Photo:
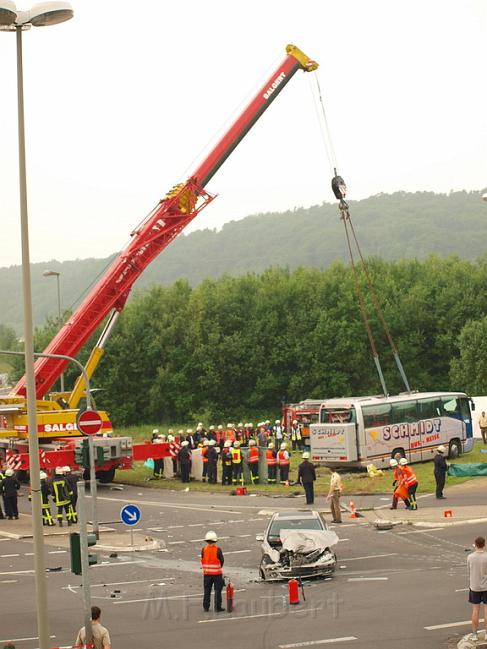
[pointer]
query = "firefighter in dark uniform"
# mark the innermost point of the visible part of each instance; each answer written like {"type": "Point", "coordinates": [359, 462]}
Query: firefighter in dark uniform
{"type": "Point", "coordinates": [440, 470]}
{"type": "Point", "coordinates": [306, 477]}
{"type": "Point", "coordinates": [8, 488]}
{"type": "Point", "coordinates": [159, 462]}
{"type": "Point", "coordinates": [227, 463]}
{"type": "Point", "coordinates": [72, 482]}
{"type": "Point", "coordinates": [60, 493]}
{"type": "Point", "coordinates": [184, 457]}
{"type": "Point", "coordinates": [212, 565]}
{"type": "Point", "coordinates": [47, 518]}
{"type": "Point", "coordinates": [237, 473]}
{"type": "Point", "coordinates": [212, 457]}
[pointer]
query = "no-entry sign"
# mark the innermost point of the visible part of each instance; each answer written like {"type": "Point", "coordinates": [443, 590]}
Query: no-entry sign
{"type": "Point", "coordinates": [89, 422]}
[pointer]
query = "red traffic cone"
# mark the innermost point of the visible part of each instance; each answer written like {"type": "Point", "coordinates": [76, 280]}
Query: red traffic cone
{"type": "Point", "coordinates": [353, 510]}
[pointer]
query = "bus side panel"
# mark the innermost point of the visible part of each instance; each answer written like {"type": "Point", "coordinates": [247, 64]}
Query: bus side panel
{"type": "Point", "coordinates": [333, 442]}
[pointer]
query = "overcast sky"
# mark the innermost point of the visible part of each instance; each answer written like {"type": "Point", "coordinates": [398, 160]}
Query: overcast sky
{"type": "Point", "coordinates": [121, 100]}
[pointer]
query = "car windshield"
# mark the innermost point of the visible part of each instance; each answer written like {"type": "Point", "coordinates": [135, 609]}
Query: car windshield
{"type": "Point", "coordinates": [293, 524]}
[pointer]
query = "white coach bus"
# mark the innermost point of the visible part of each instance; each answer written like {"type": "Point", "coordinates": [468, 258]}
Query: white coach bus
{"type": "Point", "coordinates": [358, 431]}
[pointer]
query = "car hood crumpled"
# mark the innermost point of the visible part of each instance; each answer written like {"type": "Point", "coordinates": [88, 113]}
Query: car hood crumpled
{"type": "Point", "coordinates": [305, 541]}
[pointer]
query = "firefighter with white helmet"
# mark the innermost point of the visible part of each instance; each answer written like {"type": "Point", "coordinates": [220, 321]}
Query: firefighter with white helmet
{"type": "Point", "coordinates": [396, 475]}
{"type": "Point", "coordinates": [306, 477]}
{"type": "Point", "coordinates": [204, 457]}
{"type": "Point", "coordinates": [212, 561]}
{"type": "Point", "coordinates": [271, 459]}
{"type": "Point", "coordinates": [72, 482]}
{"type": "Point", "coordinates": [237, 458]}
{"type": "Point", "coordinates": [47, 518]}
{"type": "Point", "coordinates": [155, 433]}
{"type": "Point", "coordinates": [62, 500]}
{"type": "Point", "coordinates": [9, 488]}
{"type": "Point", "coordinates": [184, 457]}
{"type": "Point", "coordinates": [409, 480]}
{"type": "Point", "coordinates": [440, 471]}
{"type": "Point", "coordinates": [212, 460]}
{"type": "Point", "coordinates": [159, 461]}
{"type": "Point", "coordinates": [278, 431]}
{"type": "Point", "coordinates": [227, 463]}
{"type": "Point", "coordinates": [296, 435]}
{"type": "Point", "coordinates": [253, 462]}
{"type": "Point", "coordinates": [283, 461]}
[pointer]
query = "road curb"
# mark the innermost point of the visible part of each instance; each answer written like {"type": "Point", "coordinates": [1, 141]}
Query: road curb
{"type": "Point", "coordinates": [468, 521]}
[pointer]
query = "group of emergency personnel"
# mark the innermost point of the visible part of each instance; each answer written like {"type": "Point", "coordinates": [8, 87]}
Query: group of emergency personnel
{"type": "Point", "coordinates": [61, 488]}
{"type": "Point", "coordinates": [225, 445]}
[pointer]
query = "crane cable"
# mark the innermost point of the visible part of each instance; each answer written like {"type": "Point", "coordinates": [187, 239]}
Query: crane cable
{"type": "Point", "coordinates": [339, 189]}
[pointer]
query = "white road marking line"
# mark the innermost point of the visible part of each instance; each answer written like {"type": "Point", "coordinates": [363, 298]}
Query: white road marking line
{"type": "Point", "coordinates": [342, 540]}
{"type": "Point", "coordinates": [371, 556]}
{"type": "Point", "coordinates": [430, 529]}
{"type": "Point", "coordinates": [9, 581]}
{"type": "Point", "coordinates": [173, 527]}
{"type": "Point", "coordinates": [6, 556]}
{"type": "Point", "coordinates": [57, 552]}
{"type": "Point", "coordinates": [157, 529]}
{"type": "Point", "coordinates": [18, 572]}
{"type": "Point", "coordinates": [23, 639]}
{"type": "Point", "coordinates": [314, 642]}
{"type": "Point", "coordinates": [155, 599]}
{"type": "Point", "coordinates": [196, 524]}
{"type": "Point", "coordinates": [449, 625]}
{"type": "Point", "coordinates": [237, 551]}
{"type": "Point", "coordinates": [243, 536]}
{"type": "Point", "coordinates": [461, 590]}
{"type": "Point", "coordinates": [172, 505]}
{"type": "Point", "coordinates": [120, 583]}
{"type": "Point", "coordinates": [106, 564]}
{"type": "Point", "coordinates": [29, 554]}
{"type": "Point", "coordinates": [246, 617]}
{"type": "Point", "coordinates": [346, 525]}
{"type": "Point", "coordinates": [175, 542]}
{"type": "Point", "coordinates": [368, 579]}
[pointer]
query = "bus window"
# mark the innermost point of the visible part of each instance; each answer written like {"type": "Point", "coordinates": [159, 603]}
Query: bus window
{"type": "Point", "coordinates": [450, 407]}
{"type": "Point", "coordinates": [404, 412]}
{"type": "Point", "coordinates": [465, 408]}
{"type": "Point", "coordinates": [337, 415]}
{"type": "Point", "coordinates": [377, 415]}
{"type": "Point", "coordinates": [429, 408]}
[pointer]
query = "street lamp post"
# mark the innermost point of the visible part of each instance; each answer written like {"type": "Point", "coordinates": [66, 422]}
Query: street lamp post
{"type": "Point", "coordinates": [56, 274]}
{"type": "Point", "coordinates": [13, 20]}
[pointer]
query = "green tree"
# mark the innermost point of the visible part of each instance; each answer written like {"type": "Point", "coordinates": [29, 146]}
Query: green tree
{"type": "Point", "coordinates": [469, 371]}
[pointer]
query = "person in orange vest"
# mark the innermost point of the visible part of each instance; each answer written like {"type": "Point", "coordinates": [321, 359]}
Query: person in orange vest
{"type": "Point", "coordinates": [410, 481]}
{"type": "Point", "coordinates": [212, 565]}
{"type": "Point", "coordinates": [230, 432]}
{"type": "Point", "coordinates": [253, 462]}
{"type": "Point", "coordinates": [204, 458]}
{"type": "Point", "coordinates": [237, 474]}
{"type": "Point", "coordinates": [399, 490]}
{"type": "Point", "coordinates": [271, 457]}
{"type": "Point", "coordinates": [227, 463]}
{"type": "Point", "coordinates": [283, 461]}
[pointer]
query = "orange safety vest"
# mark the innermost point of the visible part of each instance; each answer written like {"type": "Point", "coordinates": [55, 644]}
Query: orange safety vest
{"type": "Point", "coordinates": [408, 477]}
{"type": "Point", "coordinates": [253, 455]}
{"type": "Point", "coordinates": [236, 456]}
{"type": "Point", "coordinates": [283, 460]}
{"type": "Point", "coordinates": [271, 457]}
{"type": "Point", "coordinates": [230, 434]}
{"type": "Point", "coordinates": [210, 563]}
{"type": "Point", "coordinates": [204, 451]}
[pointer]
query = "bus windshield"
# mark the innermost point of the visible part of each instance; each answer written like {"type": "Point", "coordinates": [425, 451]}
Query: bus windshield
{"type": "Point", "coordinates": [337, 415]}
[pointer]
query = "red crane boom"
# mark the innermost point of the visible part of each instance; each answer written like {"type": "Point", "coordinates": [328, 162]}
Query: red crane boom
{"type": "Point", "coordinates": [159, 228]}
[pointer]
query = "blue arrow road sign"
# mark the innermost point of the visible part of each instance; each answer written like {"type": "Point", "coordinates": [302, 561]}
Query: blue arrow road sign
{"type": "Point", "coordinates": [130, 515]}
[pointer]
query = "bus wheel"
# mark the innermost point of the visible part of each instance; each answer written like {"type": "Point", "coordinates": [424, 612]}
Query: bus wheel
{"type": "Point", "coordinates": [455, 449]}
{"type": "Point", "coordinates": [397, 451]}
{"type": "Point", "coordinates": [106, 476]}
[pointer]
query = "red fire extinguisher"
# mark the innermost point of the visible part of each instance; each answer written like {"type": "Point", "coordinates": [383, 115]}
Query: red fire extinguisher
{"type": "Point", "coordinates": [230, 592]}
{"type": "Point", "coordinates": [293, 591]}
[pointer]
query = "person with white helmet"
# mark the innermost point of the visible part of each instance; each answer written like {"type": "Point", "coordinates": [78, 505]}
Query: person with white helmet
{"type": "Point", "coordinates": [60, 494]}
{"type": "Point", "coordinates": [396, 475]}
{"type": "Point", "coordinates": [283, 461]}
{"type": "Point", "coordinates": [9, 488]}
{"type": "Point", "coordinates": [158, 471]}
{"type": "Point", "coordinates": [212, 561]}
{"type": "Point", "coordinates": [296, 435]}
{"type": "Point", "coordinates": [253, 462]}
{"type": "Point", "coordinates": [47, 518]}
{"type": "Point", "coordinates": [306, 477]}
{"type": "Point", "coordinates": [440, 471]}
{"type": "Point", "coordinates": [278, 431]}
{"type": "Point", "coordinates": [212, 433]}
{"type": "Point", "coordinates": [271, 459]}
{"type": "Point", "coordinates": [262, 435]}
{"type": "Point", "coordinates": [203, 445]}
{"type": "Point", "coordinates": [409, 480]}
{"type": "Point", "coordinates": [237, 458]}
{"type": "Point", "coordinates": [227, 463]}
{"type": "Point", "coordinates": [184, 457]}
{"type": "Point", "coordinates": [190, 438]}
{"type": "Point", "coordinates": [154, 435]}
{"type": "Point", "coordinates": [397, 464]}
{"type": "Point", "coordinates": [72, 482]}
{"type": "Point", "coordinates": [212, 460]}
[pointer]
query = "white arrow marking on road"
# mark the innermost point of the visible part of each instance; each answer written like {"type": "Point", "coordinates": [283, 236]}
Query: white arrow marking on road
{"type": "Point", "coordinates": [313, 642]}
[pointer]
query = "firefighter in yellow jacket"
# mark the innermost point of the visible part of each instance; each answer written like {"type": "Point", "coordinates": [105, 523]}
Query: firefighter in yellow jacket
{"type": "Point", "coordinates": [237, 474]}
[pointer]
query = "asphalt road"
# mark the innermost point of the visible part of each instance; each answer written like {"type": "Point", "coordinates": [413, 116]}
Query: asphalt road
{"type": "Point", "coordinates": [402, 588]}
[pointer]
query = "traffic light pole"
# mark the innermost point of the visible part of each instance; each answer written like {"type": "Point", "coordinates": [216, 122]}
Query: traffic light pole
{"type": "Point", "coordinates": [85, 565]}
{"type": "Point", "coordinates": [93, 490]}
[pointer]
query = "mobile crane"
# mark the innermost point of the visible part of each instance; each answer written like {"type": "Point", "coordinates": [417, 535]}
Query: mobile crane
{"type": "Point", "coordinates": [61, 442]}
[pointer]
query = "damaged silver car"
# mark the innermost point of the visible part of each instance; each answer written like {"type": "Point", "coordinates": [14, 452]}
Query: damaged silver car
{"type": "Point", "coordinates": [297, 544]}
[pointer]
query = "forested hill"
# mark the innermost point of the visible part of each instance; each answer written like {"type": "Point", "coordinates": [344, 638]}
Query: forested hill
{"type": "Point", "coordinates": [401, 225]}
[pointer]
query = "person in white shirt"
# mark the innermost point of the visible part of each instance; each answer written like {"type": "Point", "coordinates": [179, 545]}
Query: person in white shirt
{"type": "Point", "coordinates": [477, 572]}
{"type": "Point", "coordinates": [101, 637]}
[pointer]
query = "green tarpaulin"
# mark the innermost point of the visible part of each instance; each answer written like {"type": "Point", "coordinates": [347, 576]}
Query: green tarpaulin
{"type": "Point", "coordinates": [462, 470]}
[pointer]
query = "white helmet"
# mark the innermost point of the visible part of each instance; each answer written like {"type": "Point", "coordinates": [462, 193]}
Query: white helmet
{"type": "Point", "coordinates": [236, 443]}
{"type": "Point", "coordinates": [198, 427]}
{"type": "Point", "coordinates": [441, 449]}
{"type": "Point", "coordinates": [295, 421]}
{"type": "Point", "coordinates": [211, 442]}
{"type": "Point", "coordinates": [9, 473]}
{"type": "Point", "coordinates": [205, 442]}
{"type": "Point", "coordinates": [252, 442]}
{"type": "Point", "coordinates": [180, 431]}
{"type": "Point", "coordinates": [43, 475]}
{"type": "Point", "coordinates": [59, 470]}
{"type": "Point", "coordinates": [240, 424]}
{"type": "Point", "coordinates": [161, 436]}
{"type": "Point", "coordinates": [66, 469]}
{"type": "Point", "coordinates": [185, 443]}
{"type": "Point", "coordinates": [271, 445]}
{"type": "Point", "coordinates": [393, 463]}
{"type": "Point", "coordinates": [211, 428]}
{"type": "Point", "coordinates": [250, 425]}
{"type": "Point", "coordinates": [189, 431]}
{"type": "Point", "coordinates": [170, 431]}
{"type": "Point", "coordinates": [230, 425]}
{"type": "Point", "coordinates": [278, 421]}
{"type": "Point", "coordinates": [403, 461]}
{"type": "Point", "coordinates": [155, 431]}
{"type": "Point", "coordinates": [267, 421]}
{"type": "Point", "coordinates": [283, 446]}
{"type": "Point", "coordinates": [305, 455]}
{"type": "Point", "coordinates": [220, 427]}
{"type": "Point", "coordinates": [158, 440]}
{"type": "Point", "coordinates": [211, 536]}
{"type": "Point", "coordinates": [228, 443]}
{"type": "Point", "coordinates": [170, 438]}
{"type": "Point", "coordinates": [200, 424]}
